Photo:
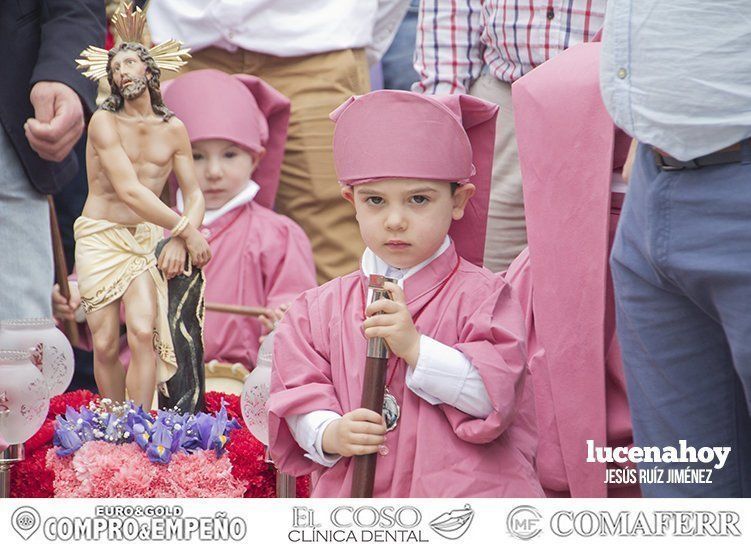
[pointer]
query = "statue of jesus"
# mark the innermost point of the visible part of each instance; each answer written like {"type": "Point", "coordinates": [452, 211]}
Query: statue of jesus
{"type": "Point", "coordinates": [134, 143]}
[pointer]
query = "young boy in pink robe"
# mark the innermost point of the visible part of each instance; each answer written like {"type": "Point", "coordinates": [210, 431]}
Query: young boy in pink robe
{"type": "Point", "coordinates": [571, 155]}
{"type": "Point", "coordinates": [410, 164]}
{"type": "Point", "coordinates": [237, 127]}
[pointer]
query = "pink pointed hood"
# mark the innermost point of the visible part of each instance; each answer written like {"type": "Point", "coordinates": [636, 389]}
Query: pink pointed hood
{"type": "Point", "coordinates": [239, 108]}
{"type": "Point", "coordinates": [566, 145]}
{"type": "Point", "coordinates": [399, 134]}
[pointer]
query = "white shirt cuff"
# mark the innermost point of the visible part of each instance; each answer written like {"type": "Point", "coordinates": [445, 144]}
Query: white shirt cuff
{"type": "Point", "coordinates": [444, 375]}
{"type": "Point", "coordinates": [307, 430]}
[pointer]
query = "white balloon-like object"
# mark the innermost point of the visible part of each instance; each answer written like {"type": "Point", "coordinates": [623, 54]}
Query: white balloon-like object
{"type": "Point", "coordinates": [24, 397]}
{"type": "Point", "coordinates": [50, 349]}
{"type": "Point", "coordinates": [255, 397]}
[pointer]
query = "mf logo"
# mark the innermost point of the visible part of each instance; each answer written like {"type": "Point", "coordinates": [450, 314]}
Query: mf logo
{"type": "Point", "coordinates": [524, 522]}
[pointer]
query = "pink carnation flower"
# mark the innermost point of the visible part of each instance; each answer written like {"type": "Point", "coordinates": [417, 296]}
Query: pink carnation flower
{"type": "Point", "coordinates": [104, 470]}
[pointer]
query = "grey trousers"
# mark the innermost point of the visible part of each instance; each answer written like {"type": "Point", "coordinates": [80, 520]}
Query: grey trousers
{"type": "Point", "coordinates": [26, 265]}
{"type": "Point", "coordinates": [506, 234]}
{"type": "Point", "coordinates": [681, 267]}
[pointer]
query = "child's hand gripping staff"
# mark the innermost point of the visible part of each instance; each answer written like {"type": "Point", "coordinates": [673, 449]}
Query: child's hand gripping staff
{"type": "Point", "coordinates": [374, 385]}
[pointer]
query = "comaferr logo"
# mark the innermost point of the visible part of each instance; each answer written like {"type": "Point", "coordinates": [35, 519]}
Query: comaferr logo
{"type": "Point", "coordinates": [661, 523]}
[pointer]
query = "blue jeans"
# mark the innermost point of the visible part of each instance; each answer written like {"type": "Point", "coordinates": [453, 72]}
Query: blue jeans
{"type": "Point", "coordinates": [26, 266]}
{"type": "Point", "coordinates": [398, 65]}
{"type": "Point", "coordinates": [681, 267]}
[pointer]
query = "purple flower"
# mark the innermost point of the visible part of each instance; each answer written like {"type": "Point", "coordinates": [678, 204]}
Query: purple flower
{"type": "Point", "coordinates": [160, 437]}
{"type": "Point", "coordinates": [71, 431]}
{"type": "Point", "coordinates": [171, 420]}
{"type": "Point", "coordinates": [141, 435]}
{"type": "Point", "coordinates": [137, 415]}
{"type": "Point", "coordinates": [87, 415]}
{"type": "Point", "coordinates": [71, 414]}
{"type": "Point", "coordinates": [198, 432]}
{"type": "Point", "coordinates": [220, 431]}
{"type": "Point", "coordinates": [110, 427]}
{"type": "Point", "coordinates": [65, 438]}
{"type": "Point", "coordinates": [160, 450]}
{"type": "Point", "coordinates": [139, 424]}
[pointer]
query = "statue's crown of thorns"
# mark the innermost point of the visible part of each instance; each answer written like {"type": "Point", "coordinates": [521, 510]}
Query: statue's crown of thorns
{"type": "Point", "coordinates": [128, 25]}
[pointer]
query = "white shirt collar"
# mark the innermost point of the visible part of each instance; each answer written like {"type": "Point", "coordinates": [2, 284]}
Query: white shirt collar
{"type": "Point", "coordinates": [243, 197]}
{"type": "Point", "coordinates": [373, 264]}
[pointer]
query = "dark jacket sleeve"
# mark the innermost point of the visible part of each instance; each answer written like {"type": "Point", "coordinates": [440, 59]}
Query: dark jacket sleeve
{"type": "Point", "coordinates": [39, 41]}
{"type": "Point", "coordinates": [67, 28]}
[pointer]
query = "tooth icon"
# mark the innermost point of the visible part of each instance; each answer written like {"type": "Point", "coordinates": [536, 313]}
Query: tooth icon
{"type": "Point", "coordinates": [25, 520]}
{"type": "Point", "coordinates": [452, 525]}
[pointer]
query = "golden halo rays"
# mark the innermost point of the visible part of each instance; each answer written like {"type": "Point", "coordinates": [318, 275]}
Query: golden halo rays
{"type": "Point", "coordinates": [129, 25]}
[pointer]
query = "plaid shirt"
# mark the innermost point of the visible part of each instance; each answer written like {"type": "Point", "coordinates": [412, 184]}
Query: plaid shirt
{"type": "Point", "coordinates": [458, 39]}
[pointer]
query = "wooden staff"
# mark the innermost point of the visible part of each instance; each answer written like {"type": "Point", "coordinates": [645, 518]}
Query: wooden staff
{"type": "Point", "coordinates": [286, 486]}
{"type": "Point", "coordinates": [70, 327]}
{"type": "Point", "coordinates": [373, 388]}
{"type": "Point", "coordinates": [251, 311]}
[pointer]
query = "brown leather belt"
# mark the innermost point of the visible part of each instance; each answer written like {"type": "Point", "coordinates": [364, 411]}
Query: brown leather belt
{"type": "Point", "coordinates": [731, 154]}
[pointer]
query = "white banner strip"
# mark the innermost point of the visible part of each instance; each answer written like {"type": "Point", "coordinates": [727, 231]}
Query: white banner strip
{"type": "Point", "coordinates": [284, 521]}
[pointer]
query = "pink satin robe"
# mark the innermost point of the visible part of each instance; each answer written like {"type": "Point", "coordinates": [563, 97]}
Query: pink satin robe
{"type": "Point", "coordinates": [260, 258]}
{"type": "Point", "coordinates": [571, 476]}
{"type": "Point", "coordinates": [435, 451]}
{"type": "Point", "coordinates": [568, 149]}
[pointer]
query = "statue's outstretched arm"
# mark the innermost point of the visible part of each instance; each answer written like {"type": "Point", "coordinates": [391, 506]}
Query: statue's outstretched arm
{"type": "Point", "coordinates": [182, 165]}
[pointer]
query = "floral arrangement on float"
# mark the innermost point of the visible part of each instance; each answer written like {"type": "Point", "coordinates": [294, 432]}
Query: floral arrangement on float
{"type": "Point", "coordinates": [77, 444]}
{"type": "Point", "coordinates": [99, 448]}
{"type": "Point", "coordinates": [90, 448]}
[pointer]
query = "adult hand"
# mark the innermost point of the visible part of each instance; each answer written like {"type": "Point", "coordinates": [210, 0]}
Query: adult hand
{"type": "Point", "coordinates": [63, 309]}
{"type": "Point", "coordinates": [358, 432]}
{"type": "Point", "coordinates": [270, 319]}
{"type": "Point", "coordinates": [629, 164]}
{"type": "Point", "coordinates": [58, 120]}
{"type": "Point", "coordinates": [391, 320]}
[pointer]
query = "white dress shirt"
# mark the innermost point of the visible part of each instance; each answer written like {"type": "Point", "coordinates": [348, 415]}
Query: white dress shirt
{"type": "Point", "coordinates": [618, 184]}
{"type": "Point", "coordinates": [676, 74]}
{"type": "Point", "coordinates": [442, 375]}
{"type": "Point", "coordinates": [284, 28]}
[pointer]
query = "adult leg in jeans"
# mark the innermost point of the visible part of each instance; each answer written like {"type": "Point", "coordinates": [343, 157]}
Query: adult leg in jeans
{"type": "Point", "coordinates": [398, 68]}
{"type": "Point", "coordinates": [26, 266]}
{"type": "Point", "coordinates": [681, 380]}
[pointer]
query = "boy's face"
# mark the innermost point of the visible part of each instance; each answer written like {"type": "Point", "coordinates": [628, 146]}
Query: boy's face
{"type": "Point", "coordinates": [223, 170]}
{"type": "Point", "coordinates": [404, 221]}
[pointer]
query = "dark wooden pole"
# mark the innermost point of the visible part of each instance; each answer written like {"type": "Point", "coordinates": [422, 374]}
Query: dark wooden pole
{"type": "Point", "coordinates": [286, 486]}
{"type": "Point", "coordinates": [374, 385]}
{"type": "Point", "coordinates": [70, 327]}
